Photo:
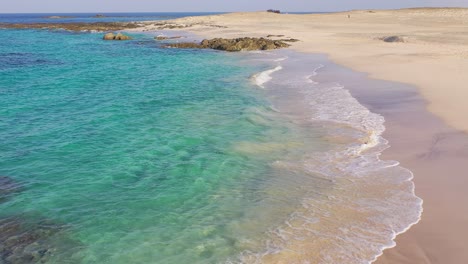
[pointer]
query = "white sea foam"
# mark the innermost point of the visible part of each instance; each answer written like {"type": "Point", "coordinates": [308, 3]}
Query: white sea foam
{"type": "Point", "coordinates": [262, 78]}
{"type": "Point", "coordinates": [314, 73]}
{"type": "Point", "coordinates": [281, 59]}
{"type": "Point", "coordinates": [372, 200]}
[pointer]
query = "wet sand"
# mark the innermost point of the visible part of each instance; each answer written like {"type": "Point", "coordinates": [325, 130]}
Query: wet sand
{"type": "Point", "coordinates": [437, 154]}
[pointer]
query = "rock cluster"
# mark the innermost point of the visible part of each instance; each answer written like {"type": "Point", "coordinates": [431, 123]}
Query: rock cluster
{"type": "Point", "coordinates": [23, 241]}
{"type": "Point", "coordinates": [118, 36]}
{"type": "Point", "coordinates": [238, 44]}
{"type": "Point", "coordinates": [28, 240]}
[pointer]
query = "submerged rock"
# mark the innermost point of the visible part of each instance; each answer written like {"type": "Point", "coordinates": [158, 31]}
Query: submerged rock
{"type": "Point", "coordinates": [20, 243]}
{"type": "Point", "coordinates": [118, 36]}
{"type": "Point", "coordinates": [7, 187]}
{"type": "Point", "coordinates": [238, 44]}
{"type": "Point", "coordinates": [24, 242]}
{"type": "Point", "coordinates": [165, 37]}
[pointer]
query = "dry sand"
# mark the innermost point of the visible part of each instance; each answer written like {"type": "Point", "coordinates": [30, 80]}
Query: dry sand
{"type": "Point", "coordinates": [434, 58]}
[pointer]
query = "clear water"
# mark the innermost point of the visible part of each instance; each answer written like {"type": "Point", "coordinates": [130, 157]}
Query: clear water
{"type": "Point", "coordinates": [91, 17]}
{"type": "Point", "coordinates": [140, 151]}
{"type": "Point", "coordinates": [142, 154]}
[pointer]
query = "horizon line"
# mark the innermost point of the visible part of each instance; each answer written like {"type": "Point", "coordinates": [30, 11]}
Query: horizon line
{"type": "Point", "coordinates": [283, 12]}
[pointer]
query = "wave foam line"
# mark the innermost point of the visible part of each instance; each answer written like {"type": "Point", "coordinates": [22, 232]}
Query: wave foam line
{"type": "Point", "coordinates": [356, 170]}
{"type": "Point", "coordinates": [263, 77]}
{"type": "Point", "coordinates": [314, 73]}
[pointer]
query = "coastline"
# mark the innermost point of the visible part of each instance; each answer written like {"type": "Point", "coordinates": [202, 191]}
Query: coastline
{"type": "Point", "coordinates": [410, 63]}
{"type": "Point", "coordinates": [394, 188]}
{"type": "Point", "coordinates": [435, 45]}
{"type": "Point", "coordinates": [434, 151]}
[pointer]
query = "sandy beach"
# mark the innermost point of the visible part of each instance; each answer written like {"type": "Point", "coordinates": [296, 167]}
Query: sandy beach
{"type": "Point", "coordinates": [433, 57]}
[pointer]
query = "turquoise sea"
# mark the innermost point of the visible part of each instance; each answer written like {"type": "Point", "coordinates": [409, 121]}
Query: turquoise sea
{"type": "Point", "coordinates": [127, 152]}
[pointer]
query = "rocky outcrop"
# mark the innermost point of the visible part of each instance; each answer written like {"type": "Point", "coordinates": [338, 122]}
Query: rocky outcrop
{"type": "Point", "coordinates": [275, 36]}
{"type": "Point", "coordinates": [33, 241]}
{"type": "Point", "coordinates": [238, 44]}
{"type": "Point", "coordinates": [118, 36]}
{"type": "Point", "coordinates": [284, 39]}
{"type": "Point", "coordinates": [29, 240]}
{"type": "Point", "coordinates": [289, 40]}
{"type": "Point", "coordinates": [109, 36]}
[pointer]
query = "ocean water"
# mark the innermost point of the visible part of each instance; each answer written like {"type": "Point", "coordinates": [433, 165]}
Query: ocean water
{"type": "Point", "coordinates": [91, 17]}
{"type": "Point", "coordinates": [126, 152]}
{"type": "Point", "coordinates": [105, 17]}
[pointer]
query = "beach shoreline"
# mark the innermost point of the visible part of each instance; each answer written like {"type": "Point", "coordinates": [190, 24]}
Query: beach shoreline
{"type": "Point", "coordinates": [404, 65]}
{"type": "Point", "coordinates": [434, 43]}
{"type": "Point", "coordinates": [429, 59]}
{"type": "Point", "coordinates": [331, 82]}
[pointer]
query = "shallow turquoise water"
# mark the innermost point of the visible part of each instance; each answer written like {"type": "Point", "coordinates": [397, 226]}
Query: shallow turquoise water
{"type": "Point", "coordinates": [125, 152]}
{"type": "Point", "coordinates": [146, 155]}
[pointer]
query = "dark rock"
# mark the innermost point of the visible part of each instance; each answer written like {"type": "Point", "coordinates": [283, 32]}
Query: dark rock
{"type": "Point", "coordinates": [99, 16]}
{"type": "Point", "coordinates": [186, 45]}
{"type": "Point", "coordinates": [165, 38]}
{"type": "Point", "coordinates": [238, 44]}
{"type": "Point", "coordinates": [393, 39]}
{"type": "Point", "coordinates": [290, 40]}
{"type": "Point", "coordinates": [276, 36]}
{"type": "Point", "coordinates": [8, 187]}
{"type": "Point", "coordinates": [24, 242]}
{"type": "Point", "coordinates": [274, 11]}
{"type": "Point", "coordinates": [119, 36]}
